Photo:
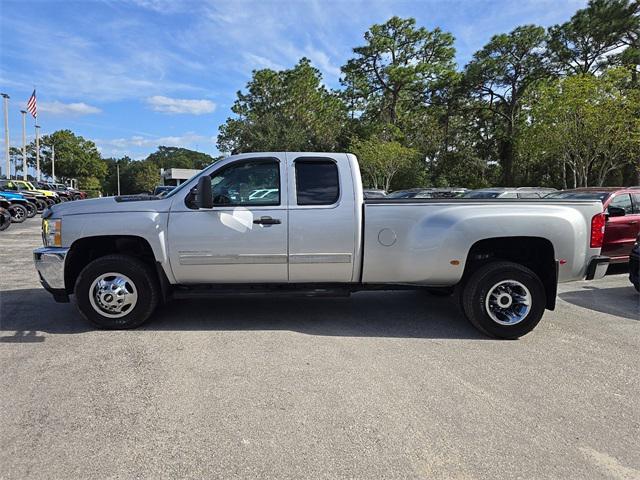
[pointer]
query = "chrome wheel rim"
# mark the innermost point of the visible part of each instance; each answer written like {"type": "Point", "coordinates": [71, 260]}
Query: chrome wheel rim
{"type": "Point", "coordinates": [508, 302]}
{"type": "Point", "coordinates": [113, 295]}
{"type": "Point", "coordinates": [19, 214]}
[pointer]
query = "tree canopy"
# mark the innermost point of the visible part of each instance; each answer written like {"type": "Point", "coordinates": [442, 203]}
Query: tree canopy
{"type": "Point", "coordinates": [534, 106]}
{"type": "Point", "coordinates": [287, 110]}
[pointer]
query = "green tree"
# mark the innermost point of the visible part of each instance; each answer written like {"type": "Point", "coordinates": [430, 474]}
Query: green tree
{"type": "Point", "coordinates": [400, 67]}
{"type": "Point", "coordinates": [75, 157]}
{"type": "Point", "coordinates": [382, 161]}
{"type": "Point", "coordinates": [587, 42]}
{"type": "Point", "coordinates": [586, 127]}
{"type": "Point", "coordinates": [144, 176]}
{"type": "Point", "coordinates": [286, 110]}
{"type": "Point", "coordinates": [176, 157]}
{"type": "Point", "coordinates": [498, 76]}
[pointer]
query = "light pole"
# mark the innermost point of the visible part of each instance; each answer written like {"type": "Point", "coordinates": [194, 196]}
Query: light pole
{"type": "Point", "coordinates": [6, 134]}
{"type": "Point", "coordinates": [37, 153]}
{"type": "Point", "coordinates": [53, 163]}
{"type": "Point", "coordinates": [24, 146]}
{"type": "Point", "coordinates": [118, 175]}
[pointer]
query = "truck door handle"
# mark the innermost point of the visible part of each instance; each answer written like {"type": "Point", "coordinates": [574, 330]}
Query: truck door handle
{"type": "Point", "coordinates": [267, 221]}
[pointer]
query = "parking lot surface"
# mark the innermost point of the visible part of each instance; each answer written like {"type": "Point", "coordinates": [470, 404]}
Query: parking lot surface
{"type": "Point", "coordinates": [379, 385]}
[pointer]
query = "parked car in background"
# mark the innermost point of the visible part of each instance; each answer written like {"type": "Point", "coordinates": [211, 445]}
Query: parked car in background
{"type": "Point", "coordinates": [17, 211]}
{"type": "Point", "coordinates": [37, 198]}
{"type": "Point", "coordinates": [411, 193]}
{"type": "Point", "coordinates": [21, 185]}
{"type": "Point", "coordinates": [42, 200]}
{"type": "Point", "coordinates": [5, 214]}
{"type": "Point", "coordinates": [162, 190]}
{"type": "Point", "coordinates": [634, 264]}
{"type": "Point", "coordinates": [505, 192]}
{"type": "Point", "coordinates": [64, 194]}
{"type": "Point", "coordinates": [29, 204]}
{"type": "Point", "coordinates": [373, 193]}
{"type": "Point", "coordinates": [622, 209]}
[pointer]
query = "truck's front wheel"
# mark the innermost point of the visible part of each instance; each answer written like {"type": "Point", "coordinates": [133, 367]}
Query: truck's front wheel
{"type": "Point", "coordinates": [504, 299]}
{"type": "Point", "coordinates": [117, 292]}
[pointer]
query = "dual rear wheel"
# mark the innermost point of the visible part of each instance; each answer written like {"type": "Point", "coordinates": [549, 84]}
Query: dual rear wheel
{"type": "Point", "coordinates": [503, 299]}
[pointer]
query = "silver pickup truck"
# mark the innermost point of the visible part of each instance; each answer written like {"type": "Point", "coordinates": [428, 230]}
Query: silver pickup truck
{"type": "Point", "coordinates": [298, 223]}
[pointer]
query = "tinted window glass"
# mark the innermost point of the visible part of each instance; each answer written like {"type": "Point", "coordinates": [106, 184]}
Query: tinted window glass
{"type": "Point", "coordinates": [602, 196]}
{"type": "Point", "coordinates": [528, 195]}
{"type": "Point", "coordinates": [317, 182]}
{"type": "Point", "coordinates": [251, 183]}
{"type": "Point", "coordinates": [636, 202]}
{"type": "Point", "coordinates": [482, 194]}
{"type": "Point", "coordinates": [622, 201]}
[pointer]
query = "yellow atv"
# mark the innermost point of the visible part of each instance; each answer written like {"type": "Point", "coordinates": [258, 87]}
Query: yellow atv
{"type": "Point", "coordinates": [51, 197]}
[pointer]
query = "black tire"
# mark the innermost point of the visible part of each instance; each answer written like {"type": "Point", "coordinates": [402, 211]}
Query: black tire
{"type": "Point", "coordinates": [475, 298]}
{"type": "Point", "coordinates": [50, 202]}
{"type": "Point", "coordinates": [18, 213]}
{"type": "Point", "coordinates": [31, 210]}
{"type": "Point", "coordinates": [41, 205]}
{"type": "Point", "coordinates": [144, 280]}
{"type": "Point", "coordinates": [5, 219]}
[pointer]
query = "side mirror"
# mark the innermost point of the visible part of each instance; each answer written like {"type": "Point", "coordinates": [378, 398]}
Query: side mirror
{"type": "Point", "coordinates": [616, 212]}
{"type": "Point", "coordinates": [204, 195]}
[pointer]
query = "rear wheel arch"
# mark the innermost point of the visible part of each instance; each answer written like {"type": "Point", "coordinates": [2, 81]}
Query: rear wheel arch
{"type": "Point", "coordinates": [535, 253]}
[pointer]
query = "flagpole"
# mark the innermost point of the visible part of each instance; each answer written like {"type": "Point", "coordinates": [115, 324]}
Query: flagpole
{"type": "Point", "coordinates": [53, 163]}
{"type": "Point", "coordinates": [6, 134]}
{"type": "Point", "coordinates": [24, 146]}
{"type": "Point", "coordinates": [37, 152]}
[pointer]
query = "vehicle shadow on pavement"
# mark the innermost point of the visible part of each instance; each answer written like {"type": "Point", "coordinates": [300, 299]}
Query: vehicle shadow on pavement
{"type": "Point", "coordinates": [618, 301]}
{"type": "Point", "coordinates": [28, 311]}
{"type": "Point", "coordinates": [366, 314]}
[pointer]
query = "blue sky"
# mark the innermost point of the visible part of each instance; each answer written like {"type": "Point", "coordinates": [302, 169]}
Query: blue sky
{"type": "Point", "coordinates": [132, 75]}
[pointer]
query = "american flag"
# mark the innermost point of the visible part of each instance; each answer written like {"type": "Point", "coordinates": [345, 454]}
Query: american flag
{"type": "Point", "coordinates": [31, 105]}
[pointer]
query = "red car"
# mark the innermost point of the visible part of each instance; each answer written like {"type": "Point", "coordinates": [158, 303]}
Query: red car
{"type": "Point", "coordinates": [622, 208]}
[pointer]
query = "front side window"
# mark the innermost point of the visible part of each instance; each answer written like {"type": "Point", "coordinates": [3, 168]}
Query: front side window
{"type": "Point", "coordinates": [622, 201]}
{"type": "Point", "coordinates": [250, 183]}
{"type": "Point", "coordinates": [317, 182]}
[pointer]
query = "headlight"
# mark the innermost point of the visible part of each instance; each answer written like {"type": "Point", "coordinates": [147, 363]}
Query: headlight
{"type": "Point", "coordinates": [52, 232]}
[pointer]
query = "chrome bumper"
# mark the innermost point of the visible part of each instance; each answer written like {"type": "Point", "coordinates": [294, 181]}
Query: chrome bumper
{"type": "Point", "coordinates": [597, 267]}
{"type": "Point", "coordinates": [49, 263]}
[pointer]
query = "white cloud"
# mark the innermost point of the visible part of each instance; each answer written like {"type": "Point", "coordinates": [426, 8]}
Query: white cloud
{"type": "Point", "coordinates": [67, 109]}
{"type": "Point", "coordinates": [164, 104]}
{"type": "Point", "coordinates": [189, 139]}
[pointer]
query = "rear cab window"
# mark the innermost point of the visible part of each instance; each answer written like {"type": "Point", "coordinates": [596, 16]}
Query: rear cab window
{"type": "Point", "coordinates": [317, 181]}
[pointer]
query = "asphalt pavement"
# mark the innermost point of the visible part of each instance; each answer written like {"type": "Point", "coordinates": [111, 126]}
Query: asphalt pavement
{"type": "Point", "coordinates": [379, 385]}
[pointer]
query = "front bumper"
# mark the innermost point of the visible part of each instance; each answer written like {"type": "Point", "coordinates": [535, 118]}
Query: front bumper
{"type": "Point", "coordinates": [597, 267]}
{"type": "Point", "coordinates": [49, 263]}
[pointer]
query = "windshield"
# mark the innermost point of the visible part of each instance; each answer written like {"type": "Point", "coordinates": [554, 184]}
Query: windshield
{"type": "Point", "coordinates": [602, 196]}
{"type": "Point", "coordinates": [30, 185]}
{"type": "Point", "coordinates": [483, 194]}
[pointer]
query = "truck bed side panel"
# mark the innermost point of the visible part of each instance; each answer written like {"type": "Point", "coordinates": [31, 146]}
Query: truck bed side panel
{"type": "Point", "coordinates": [420, 243]}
